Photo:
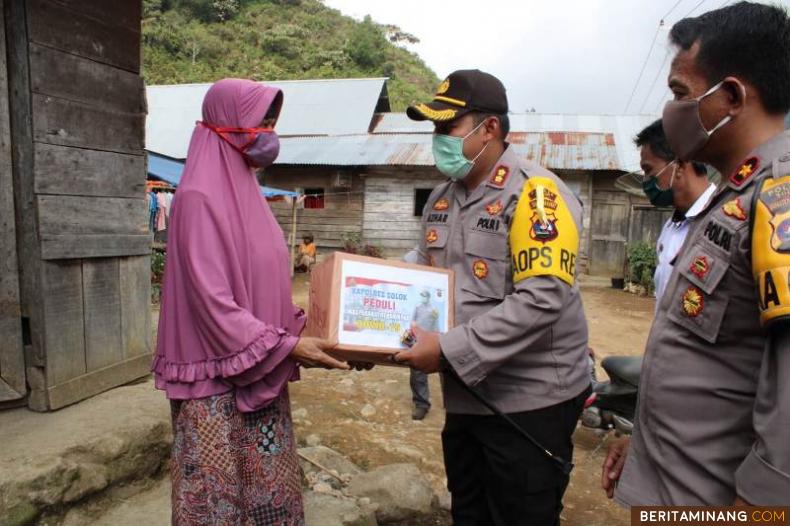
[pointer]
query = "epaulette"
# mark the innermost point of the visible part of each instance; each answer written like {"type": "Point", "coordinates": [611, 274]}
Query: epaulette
{"type": "Point", "coordinates": [744, 174]}
{"type": "Point", "coordinates": [500, 176]}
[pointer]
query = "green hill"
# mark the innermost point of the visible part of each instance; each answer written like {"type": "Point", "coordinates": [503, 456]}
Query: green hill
{"type": "Point", "coordinates": [205, 40]}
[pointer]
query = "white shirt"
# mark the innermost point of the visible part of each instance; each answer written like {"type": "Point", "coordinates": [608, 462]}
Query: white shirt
{"type": "Point", "coordinates": [671, 239]}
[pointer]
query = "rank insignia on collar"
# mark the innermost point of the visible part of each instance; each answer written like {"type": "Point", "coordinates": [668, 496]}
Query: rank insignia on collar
{"type": "Point", "coordinates": [441, 204]}
{"type": "Point", "coordinates": [432, 236]}
{"type": "Point", "coordinates": [500, 176]}
{"type": "Point", "coordinates": [494, 209]}
{"type": "Point", "coordinates": [745, 171]}
{"type": "Point", "coordinates": [734, 209]}
{"type": "Point", "coordinates": [480, 269]}
{"type": "Point", "coordinates": [700, 267]}
{"type": "Point", "coordinates": [693, 302]}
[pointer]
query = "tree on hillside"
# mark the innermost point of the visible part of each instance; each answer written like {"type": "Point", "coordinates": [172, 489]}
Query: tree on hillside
{"type": "Point", "coordinates": [367, 45]}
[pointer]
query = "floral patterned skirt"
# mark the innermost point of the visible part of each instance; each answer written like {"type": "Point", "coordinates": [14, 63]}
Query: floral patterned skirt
{"type": "Point", "coordinates": [234, 469]}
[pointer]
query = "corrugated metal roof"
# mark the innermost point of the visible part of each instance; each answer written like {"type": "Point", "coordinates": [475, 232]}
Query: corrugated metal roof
{"type": "Point", "coordinates": [559, 151]}
{"type": "Point", "coordinates": [311, 107]}
{"type": "Point", "coordinates": [621, 130]}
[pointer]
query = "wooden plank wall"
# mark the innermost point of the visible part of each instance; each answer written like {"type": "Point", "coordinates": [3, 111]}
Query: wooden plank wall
{"type": "Point", "coordinates": [646, 223]}
{"type": "Point", "coordinates": [12, 363]}
{"type": "Point", "coordinates": [83, 174]}
{"type": "Point", "coordinates": [388, 219]}
{"type": "Point", "coordinates": [611, 212]}
{"type": "Point", "coordinates": [581, 182]}
{"type": "Point", "coordinates": [342, 212]}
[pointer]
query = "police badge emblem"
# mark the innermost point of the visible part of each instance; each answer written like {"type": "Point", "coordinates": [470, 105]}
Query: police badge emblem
{"type": "Point", "coordinates": [480, 269]}
{"type": "Point", "coordinates": [700, 267]}
{"type": "Point", "coordinates": [494, 209]}
{"type": "Point", "coordinates": [543, 232]}
{"type": "Point", "coordinates": [777, 200]}
{"type": "Point", "coordinates": [693, 302]}
{"type": "Point", "coordinates": [734, 209]}
{"type": "Point", "coordinates": [432, 236]}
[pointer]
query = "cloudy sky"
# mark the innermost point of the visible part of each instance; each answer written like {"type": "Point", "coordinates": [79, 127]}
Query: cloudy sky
{"type": "Point", "coordinates": [557, 56]}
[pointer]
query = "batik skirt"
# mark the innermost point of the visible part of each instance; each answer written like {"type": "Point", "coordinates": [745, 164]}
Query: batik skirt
{"type": "Point", "coordinates": [234, 469]}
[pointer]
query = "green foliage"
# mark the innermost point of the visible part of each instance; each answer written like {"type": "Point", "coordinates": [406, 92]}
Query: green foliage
{"type": "Point", "coordinates": [206, 40]}
{"type": "Point", "coordinates": [642, 264]}
{"type": "Point", "coordinates": [366, 45]}
{"type": "Point", "coordinates": [157, 273]}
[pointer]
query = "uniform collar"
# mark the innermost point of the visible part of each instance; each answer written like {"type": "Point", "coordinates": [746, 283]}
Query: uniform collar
{"type": "Point", "coordinates": [701, 202]}
{"type": "Point", "coordinates": [497, 178]}
{"type": "Point", "coordinates": [503, 169]}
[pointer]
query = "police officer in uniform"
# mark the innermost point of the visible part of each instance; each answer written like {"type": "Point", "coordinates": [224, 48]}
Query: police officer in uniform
{"type": "Point", "coordinates": [713, 418]}
{"type": "Point", "coordinates": [510, 231]}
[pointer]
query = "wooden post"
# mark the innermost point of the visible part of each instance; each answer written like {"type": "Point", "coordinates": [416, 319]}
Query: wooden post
{"type": "Point", "coordinates": [293, 234]}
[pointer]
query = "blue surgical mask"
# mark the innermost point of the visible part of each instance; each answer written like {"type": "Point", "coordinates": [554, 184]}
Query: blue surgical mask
{"type": "Point", "coordinates": [448, 154]}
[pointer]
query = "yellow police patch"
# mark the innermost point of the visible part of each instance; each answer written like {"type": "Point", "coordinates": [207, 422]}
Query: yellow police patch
{"type": "Point", "coordinates": [771, 248]}
{"type": "Point", "coordinates": [544, 240]}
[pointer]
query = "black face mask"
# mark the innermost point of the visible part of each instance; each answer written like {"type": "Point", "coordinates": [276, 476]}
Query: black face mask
{"type": "Point", "coordinates": [656, 195]}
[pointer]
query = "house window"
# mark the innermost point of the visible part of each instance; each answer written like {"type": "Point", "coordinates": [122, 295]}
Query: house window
{"type": "Point", "coordinates": [420, 198]}
{"type": "Point", "coordinates": [314, 198]}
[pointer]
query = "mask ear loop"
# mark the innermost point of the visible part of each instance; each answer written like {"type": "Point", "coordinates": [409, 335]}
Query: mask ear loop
{"type": "Point", "coordinates": [648, 177]}
{"type": "Point", "coordinates": [726, 119]}
{"type": "Point", "coordinates": [484, 146]}
{"type": "Point", "coordinates": [672, 178]}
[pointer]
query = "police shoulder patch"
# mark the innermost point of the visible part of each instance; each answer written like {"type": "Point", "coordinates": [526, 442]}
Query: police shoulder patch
{"type": "Point", "coordinates": [771, 248]}
{"type": "Point", "coordinates": [544, 237]}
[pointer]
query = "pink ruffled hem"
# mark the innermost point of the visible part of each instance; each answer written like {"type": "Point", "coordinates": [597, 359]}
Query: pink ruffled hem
{"type": "Point", "coordinates": [225, 366]}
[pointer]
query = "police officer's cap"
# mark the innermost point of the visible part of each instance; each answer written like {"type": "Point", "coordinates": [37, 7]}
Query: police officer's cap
{"type": "Point", "coordinates": [461, 92]}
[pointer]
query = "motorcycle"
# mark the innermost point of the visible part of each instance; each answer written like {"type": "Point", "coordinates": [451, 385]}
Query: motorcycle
{"type": "Point", "coordinates": [612, 404]}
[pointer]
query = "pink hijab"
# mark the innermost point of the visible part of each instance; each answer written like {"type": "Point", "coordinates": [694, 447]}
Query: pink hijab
{"type": "Point", "coordinates": [227, 319]}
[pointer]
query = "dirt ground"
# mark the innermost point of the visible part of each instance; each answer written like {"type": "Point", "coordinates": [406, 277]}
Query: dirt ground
{"type": "Point", "coordinates": [333, 401]}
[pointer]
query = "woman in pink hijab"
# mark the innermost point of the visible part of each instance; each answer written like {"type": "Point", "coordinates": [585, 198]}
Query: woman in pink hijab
{"type": "Point", "coordinates": [228, 330]}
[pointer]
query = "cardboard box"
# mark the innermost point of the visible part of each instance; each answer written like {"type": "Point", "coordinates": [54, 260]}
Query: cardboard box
{"type": "Point", "coordinates": [365, 305]}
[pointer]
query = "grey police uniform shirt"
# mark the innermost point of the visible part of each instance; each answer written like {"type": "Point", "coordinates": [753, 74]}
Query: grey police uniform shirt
{"type": "Point", "coordinates": [713, 414]}
{"type": "Point", "coordinates": [522, 346]}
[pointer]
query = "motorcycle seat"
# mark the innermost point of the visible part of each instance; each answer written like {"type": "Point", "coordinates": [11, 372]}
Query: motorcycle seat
{"type": "Point", "coordinates": [623, 369]}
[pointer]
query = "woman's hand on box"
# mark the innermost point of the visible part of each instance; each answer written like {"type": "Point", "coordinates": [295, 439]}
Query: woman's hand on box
{"type": "Point", "coordinates": [425, 354]}
{"type": "Point", "coordinates": [311, 352]}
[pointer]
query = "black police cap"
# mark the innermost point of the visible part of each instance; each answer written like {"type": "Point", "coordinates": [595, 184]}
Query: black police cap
{"type": "Point", "coordinates": [461, 92]}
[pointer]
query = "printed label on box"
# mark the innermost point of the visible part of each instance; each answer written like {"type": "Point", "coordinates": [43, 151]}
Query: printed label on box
{"type": "Point", "coordinates": [379, 303]}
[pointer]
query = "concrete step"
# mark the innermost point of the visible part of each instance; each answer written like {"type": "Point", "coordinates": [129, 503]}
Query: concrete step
{"type": "Point", "coordinates": [51, 462]}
